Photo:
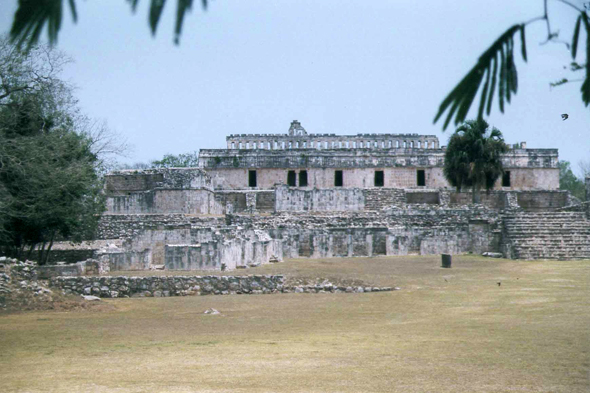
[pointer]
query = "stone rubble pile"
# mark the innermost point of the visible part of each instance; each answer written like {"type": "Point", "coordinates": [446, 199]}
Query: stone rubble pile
{"type": "Point", "coordinates": [18, 281]}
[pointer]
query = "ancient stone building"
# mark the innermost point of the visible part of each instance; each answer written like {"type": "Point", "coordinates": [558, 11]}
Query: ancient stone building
{"type": "Point", "coordinates": [269, 197]}
{"type": "Point", "coordinates": [299, 159]}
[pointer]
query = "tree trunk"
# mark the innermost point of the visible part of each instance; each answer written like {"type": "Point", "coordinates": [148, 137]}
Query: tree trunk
{"type": "Point", "coordinates": [49, 249]}
{"type": "Point", "coordinates": [40, 260]}
{"type": "Point", "coordinates": [19, 253]}
{"type": "Point", "coordinates": [30, 251]}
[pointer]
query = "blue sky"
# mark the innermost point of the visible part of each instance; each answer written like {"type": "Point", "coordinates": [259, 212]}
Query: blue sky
{"type": "Point", "coordinates": [338, 66]}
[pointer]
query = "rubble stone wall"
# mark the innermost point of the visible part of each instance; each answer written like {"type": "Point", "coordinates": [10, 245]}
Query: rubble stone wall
{"type": "Point", "coordinates": [114, 226]}
{"type": "Point", "coordinates": [122, 286]}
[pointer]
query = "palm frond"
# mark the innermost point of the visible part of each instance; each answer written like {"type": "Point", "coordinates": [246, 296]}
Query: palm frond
{"type": "Point", "coordinates": [133, 4]}
{"type": "Point", "coordinates": [575, 37]}
{"type": "Point", "coordinates": [461, 97]}
{"type": "Point", "coordinates": [156, 8]}
{"type": "Point", "coordinates": [586, 85]}
{"type": "Point", "coordinates": [183, 7]}
{"type": "Point", "coordinates": [32, 16]}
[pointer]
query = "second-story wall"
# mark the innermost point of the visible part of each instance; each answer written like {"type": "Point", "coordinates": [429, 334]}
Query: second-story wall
{"type": "Point", "coordinates": [526, 169]}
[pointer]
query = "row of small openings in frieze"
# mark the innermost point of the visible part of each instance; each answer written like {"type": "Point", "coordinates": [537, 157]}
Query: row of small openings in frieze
{"type": "Point", "coordinates": [305, 160]}
{"type": "Point", "coordinates": [282, 145]}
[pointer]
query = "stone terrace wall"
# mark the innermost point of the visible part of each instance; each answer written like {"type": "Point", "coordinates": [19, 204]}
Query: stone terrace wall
{"type": "Point", "coordinates": [537, 201]}
{"type": "Point", "coordinates": [128, 225]}
{"type": "Point", "coordinates": [128, 181]}
{"type": "Point", "coordinates": [393, 232]}
{"type": "Point", "coordinates": [90, 266]}
{"type": "Point", "coordinates": [338, 199]}
{"type": "Point", "coordinates": [123, 286]}
{"type": "Point", "coordinates": [379, 198]}
{"type": "Point", "coordinates": [423, 197]}
{"type": "Point", "coordinates": [190, 201]}
{"type": "Point", "coordinates": [494, 199]}
{"type": "Point", "coordinates": [541, 200]}
{"type": "Point", "coordinates": [335, 199]}
{"type": "Point", "coordinates": [236, 201]}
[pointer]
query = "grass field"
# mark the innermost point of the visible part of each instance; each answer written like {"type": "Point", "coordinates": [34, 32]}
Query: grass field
{"type": "Point", "coordinates": [446, 330]}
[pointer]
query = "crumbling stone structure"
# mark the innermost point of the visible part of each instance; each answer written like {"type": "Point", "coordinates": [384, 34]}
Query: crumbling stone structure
{"type": "Point", "coordinates": [267, 197]}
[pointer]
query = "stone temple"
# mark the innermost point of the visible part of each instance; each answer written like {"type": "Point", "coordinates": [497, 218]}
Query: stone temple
{"type": "Point", "coordinates": [272, 196]}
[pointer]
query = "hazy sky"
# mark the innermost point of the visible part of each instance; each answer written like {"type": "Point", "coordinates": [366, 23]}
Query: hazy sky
{"type": "Point", "coordinates": [338, 66]}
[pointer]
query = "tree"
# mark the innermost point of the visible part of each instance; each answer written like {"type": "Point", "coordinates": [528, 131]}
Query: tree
{"type": "Point", "coordinates": [584, 166]}
{"type": "Point", "coordinates": [182, 160]}
{"type": "Point", "coordinates": [474, 157]}
{"type": "Point", "coordinates": [49, 185]}
{"type": "Point", "coordinates": [496, 66]}
{"type": "Point", "coordinates": [568, 181]}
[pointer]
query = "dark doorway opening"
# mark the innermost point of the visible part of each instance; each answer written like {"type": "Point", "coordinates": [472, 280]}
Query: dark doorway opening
{"type": "Point", "coordinates": [303, 179]}
{"type": "Point", "coordinates": [251, 178]}
{"type": "Point", "coordinates": [291, 179]}
{"type": "Point", "coordinates": [379, 179]}
{"type": "Point", "coordinates": [506, 179]}
{"type": "Point", "coordinates": [421, 178]}
{"type": "Point", "coordinates": [338, 179]}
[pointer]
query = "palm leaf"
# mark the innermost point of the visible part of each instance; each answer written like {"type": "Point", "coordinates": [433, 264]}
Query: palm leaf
{"type": "Point", "coordinates": [522, 43]}
{"type": "Point", "coordinates": [462, 96]}
{"type": "Point", "coordinates": [181, 9]}
{"type": "Point", "coordinates": [586, 85]}
{"type": "Point", "coordinates": [156, 9]}
{"type": "Point", "coordinates": [575, 37]}
{"type": "Point", "coordinates": [32, 16]}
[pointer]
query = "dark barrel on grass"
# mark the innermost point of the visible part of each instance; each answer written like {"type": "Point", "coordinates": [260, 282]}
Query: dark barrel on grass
{"type": "Point", "coordinates": [446, 260]}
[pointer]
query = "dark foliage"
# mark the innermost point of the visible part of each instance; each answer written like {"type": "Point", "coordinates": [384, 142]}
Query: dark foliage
{"type": "Point", "coordinates": [474, 156]}
{"type": "Point", "coordinates": [32, 16]}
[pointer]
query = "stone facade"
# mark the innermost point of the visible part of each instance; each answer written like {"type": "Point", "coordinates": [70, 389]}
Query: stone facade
{"type": "Point", "coordinates": [267, 197]}
{"type": "Point", "coordinates": [299, 159]}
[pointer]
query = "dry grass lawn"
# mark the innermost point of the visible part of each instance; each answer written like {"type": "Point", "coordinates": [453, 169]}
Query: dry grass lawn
{"type": "Point", "coordinates": [446, 330]}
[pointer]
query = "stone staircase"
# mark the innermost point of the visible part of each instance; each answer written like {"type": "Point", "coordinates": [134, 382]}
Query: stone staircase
{"type": "Point", "coordinates": [547, 235]}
